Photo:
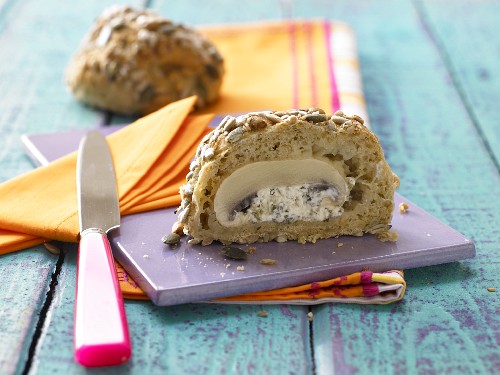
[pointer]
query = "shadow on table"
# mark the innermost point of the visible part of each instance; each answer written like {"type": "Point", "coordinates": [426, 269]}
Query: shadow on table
{"type": "Point", "coordinates": [449, 273]}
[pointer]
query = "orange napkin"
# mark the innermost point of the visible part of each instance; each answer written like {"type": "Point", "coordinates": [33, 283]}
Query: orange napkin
{"type": "Point", "coordinates": [151, 157]}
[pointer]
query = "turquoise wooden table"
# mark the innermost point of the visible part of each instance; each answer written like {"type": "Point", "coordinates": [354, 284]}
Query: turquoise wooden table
{"type": "Point", "coordinates": [431, 74]}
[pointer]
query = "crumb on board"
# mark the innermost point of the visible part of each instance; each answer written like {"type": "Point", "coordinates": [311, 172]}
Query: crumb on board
{"type": "Point", "coordinates": [228, 265]}
{"type": "Point", "coordinates": [234, 253]}
{"type": "Point", "coordinates": [251, 250]}
{"type": "Point", "coordinates": [340, 244]}
{"type": "Point", "coordinates": [240, 268]}
{"type": "Point", "coordinates": [491, 289]}
{"type": "Point", "coordinates": [387, 236]}
{"type": "Point", "coordinates": [178, 228]}
{"type": "Point", "coordinates": [262, 314]}
{"type": "Point", "coordinates": [403, 207]}
{"type": "Point", "coordinates": [171, 239]}
{"type": "Point", "coordinates": [310, 316]}
{"type": "Point", "coordinates": [268, 262]}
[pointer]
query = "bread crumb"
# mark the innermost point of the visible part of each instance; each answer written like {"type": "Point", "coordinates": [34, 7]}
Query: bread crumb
{"type": "Point", "coordinates": [387, 236]}
{"type": "Point", "coordinates": [228, 265]}
{"type": "Point", "coordinates": [340, 244]}
{"type": "Point", "coordinates": [281, 239]}
{"type": "Point", "coordinates": [310, 316]}
{"type": "Point", "coordinates": [178, 228]}
{"type": "Point", "coordinates": [403, 208]}
{"type": "Point", "coordinates": [251, 250]}
{"type": "Point", "coordinates": [262, 314]}
{"type": "Point", "coordinates": [145, 256]}
{"type": "Point", "coordinates": [491, 289]}
{"type": "Point", "coordinates": [53, 249]}
{"type": "Point", "coordinates": [240, 268]}
{"type": "Point", "coordinates": [268, 262]}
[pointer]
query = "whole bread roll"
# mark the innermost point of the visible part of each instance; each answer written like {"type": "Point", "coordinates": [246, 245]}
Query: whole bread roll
{"type": "Point", "coordinates": [290, 175]}
{"type": "Point", "coordinates": [135, 62]}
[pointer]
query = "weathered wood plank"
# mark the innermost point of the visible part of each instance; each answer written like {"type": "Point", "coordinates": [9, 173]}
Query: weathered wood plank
{"type": "Point", "coordinates": [190, 339]}
{"type": "Point", "coordinates": [470, 44]}
{"type": "Point", "coordinates": [447, 320]}
{"type": "Point", "coordinates": [25, 279]}
{"type": "Point", "coordinates": [200, 12]}
{"type": "Point", "coordinates": [440, 327]}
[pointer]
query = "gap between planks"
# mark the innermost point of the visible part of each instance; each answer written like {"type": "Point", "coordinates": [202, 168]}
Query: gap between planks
{"type": "Point", "coordinates": [49, 297]}
{"type": "Point", "coordinates": [311, 340]}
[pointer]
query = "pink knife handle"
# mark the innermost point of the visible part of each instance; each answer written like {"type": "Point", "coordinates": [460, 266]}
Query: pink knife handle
{"type": "Point", "coordinates": [101, 331]}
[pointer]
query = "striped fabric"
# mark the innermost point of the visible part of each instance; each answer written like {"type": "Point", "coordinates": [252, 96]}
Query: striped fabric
{"type": "Point", "coordinates": [289, 64]}
{"type": "Point", "coordinates": [361, 287]}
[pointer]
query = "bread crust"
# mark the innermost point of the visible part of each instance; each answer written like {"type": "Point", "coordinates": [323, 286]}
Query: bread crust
{"type": "Point", "coordinates": [135, 62]}
{"type": "Point", "coordinates": [289, 135]}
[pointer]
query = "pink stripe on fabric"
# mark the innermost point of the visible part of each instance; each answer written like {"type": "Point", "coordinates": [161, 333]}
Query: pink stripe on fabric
{"type": "Point", "coordinates": [310, 60]}
{"type": "Point", "coordinates": [366, 277]}
{"type": "Point", "coordinates": [313, 293]}
{"type": "Point", "coordinates": [335, 101]}
{"type": "Point", "coordinates": [295, 70]}
{"type": "Point", "coordinates": [315, 285]}
{"type": "Point", "coordinates": [370, 290]}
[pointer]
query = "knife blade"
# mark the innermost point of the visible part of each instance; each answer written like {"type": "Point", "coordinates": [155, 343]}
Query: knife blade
{"type": "Point", "coordinates": [101, 336]}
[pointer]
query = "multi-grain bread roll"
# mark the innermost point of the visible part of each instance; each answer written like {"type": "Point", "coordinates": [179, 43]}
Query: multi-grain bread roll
{"type": "Point", "coordinates": [295, 175]}
{"type": "Point", "coordinates": [135, 62]}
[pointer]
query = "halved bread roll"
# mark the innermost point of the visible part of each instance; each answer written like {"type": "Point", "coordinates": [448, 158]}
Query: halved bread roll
{"type": "Point", "coordinates": [288, 175]}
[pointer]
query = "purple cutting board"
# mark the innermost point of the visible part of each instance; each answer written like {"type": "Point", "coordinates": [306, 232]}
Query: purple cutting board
{"type": "Point", "coordinates": [192, 273]}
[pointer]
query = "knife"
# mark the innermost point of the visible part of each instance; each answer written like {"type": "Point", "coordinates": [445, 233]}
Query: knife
{"type": "Point", "coordinates": [101, 336]}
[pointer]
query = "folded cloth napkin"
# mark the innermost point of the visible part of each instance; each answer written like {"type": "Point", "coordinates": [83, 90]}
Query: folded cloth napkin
{"type": "Point", "coordinates": [360, 287]}
{"type": "Point", "coordinates": [151, 158]}
{"type": "Point", "coordinates": [363, 287]}
{"type": "Point", "coordinates": [276, 65]}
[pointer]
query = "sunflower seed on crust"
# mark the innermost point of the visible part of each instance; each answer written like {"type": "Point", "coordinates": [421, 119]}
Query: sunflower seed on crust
{"type": "Point", "coordinates": [235, 135]}
{"type": "Point", "coordinates": [272, 117]}
{"type": "Point", "coordinates": [230, 124]}
{"type": "Point", "coordinates": [315, 118]}
{"type": "Point", "coordinates": [338, 119]}
{"type": "Point", "coordinates": [358, 119]}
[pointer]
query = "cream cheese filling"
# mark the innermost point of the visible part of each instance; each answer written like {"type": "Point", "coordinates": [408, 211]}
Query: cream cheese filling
{"type": "Point", "coordinates": [282, 191]}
